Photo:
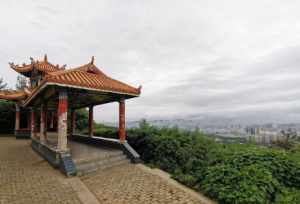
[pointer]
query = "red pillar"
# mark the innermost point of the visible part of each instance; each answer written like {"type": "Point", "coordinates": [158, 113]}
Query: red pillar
{"type": "Point", "coordinates": [73, 122]}
{"type": "Point", "coordinates": [62, 120]}
{"type": "Point", "coordinates": [32, 123]}
{"type": "Point", "coordinates": [17, 123]}
{"type": "Point", "coordinates": [122, 129]}
{"type": "Point", "coordinates": [91, 119]}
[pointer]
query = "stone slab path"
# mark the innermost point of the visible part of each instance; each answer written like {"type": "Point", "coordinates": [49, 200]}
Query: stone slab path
{"type": "Point", "coordinates": [26, 178]}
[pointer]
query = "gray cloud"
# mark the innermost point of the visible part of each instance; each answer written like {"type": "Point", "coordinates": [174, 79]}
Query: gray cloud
{"type": "Point", "coordinates": [194, 57]}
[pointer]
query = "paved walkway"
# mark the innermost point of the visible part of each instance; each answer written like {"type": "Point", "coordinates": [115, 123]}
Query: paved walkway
{"type": "Point", "coordinates": [26, 178]}
{"type": "Point", "coordinates": [129, 184]}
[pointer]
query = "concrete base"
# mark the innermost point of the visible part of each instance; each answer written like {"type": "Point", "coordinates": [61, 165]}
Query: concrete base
{"type": "Point", "coordinates": [85, 153]}
{"type": "Point", "coordinates": [61, 160]}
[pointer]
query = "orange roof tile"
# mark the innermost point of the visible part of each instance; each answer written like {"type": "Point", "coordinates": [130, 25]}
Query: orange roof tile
{"type": "Point", "coordinates": [43, 66]}
{"type": "Point", "coordinates": [86, 76]}
{"type": "Point", "coordinates": [13, 95]}
{"type": "Point", "coordinates": [100, 81]}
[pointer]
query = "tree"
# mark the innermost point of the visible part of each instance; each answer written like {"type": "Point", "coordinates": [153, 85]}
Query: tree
{"type": "Point", "coordinates": [21, 83]}
{"type": "Point", "coordinates": [3, 85]}
{"type": "Point", "coordinates": [82, 119]}
{"type": "Point", "coordinates": [7, 116]}
{"type": "Point", "coordinates": [7, 112]}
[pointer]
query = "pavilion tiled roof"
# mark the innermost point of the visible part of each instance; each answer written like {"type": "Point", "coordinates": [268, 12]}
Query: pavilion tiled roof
{"type": "Point", "coordinates": [13, 95]}
{"type": "Point", "coordinates": [89, 76]}
{"type": "Point", "coordinates": [43, 66]}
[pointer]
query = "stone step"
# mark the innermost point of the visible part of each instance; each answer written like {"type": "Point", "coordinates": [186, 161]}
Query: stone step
{"type": "Point", "coordinates": [83, 168]}
{"type": "Point", "coordinates": [109, 155]}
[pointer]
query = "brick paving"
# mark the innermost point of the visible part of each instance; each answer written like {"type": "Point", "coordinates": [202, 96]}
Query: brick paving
{"type": "Point", "coordinates": [128, 184]}
{"type": "Point", "coordinates": [26, 178]}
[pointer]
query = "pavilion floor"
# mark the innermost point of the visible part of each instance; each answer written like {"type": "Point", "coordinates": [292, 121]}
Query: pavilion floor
{"type": "Point", "coordinates": [82, 152]}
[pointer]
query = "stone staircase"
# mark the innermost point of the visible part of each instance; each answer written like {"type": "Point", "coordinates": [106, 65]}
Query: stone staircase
{"type": "Point", "coordinates": [100, 162]}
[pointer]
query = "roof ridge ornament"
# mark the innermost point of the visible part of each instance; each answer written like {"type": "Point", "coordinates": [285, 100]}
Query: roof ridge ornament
{"type": "Point", "coordinates": [63, 67]}
{"type": "Point", "coordinates": [31, 60]}
{"type": "Point", "coordinates": [140, 88]}
{"type": "Point", "coordinates": [92, 60]}
{"type": "Point", "coordinates": [12, 65]}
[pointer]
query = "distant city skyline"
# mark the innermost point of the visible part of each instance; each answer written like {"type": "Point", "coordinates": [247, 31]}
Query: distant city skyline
{"type": "Point", "coordinates": [208, 59]}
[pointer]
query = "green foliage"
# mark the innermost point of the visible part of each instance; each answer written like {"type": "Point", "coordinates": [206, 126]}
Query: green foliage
{"type": "Point", "coordinates": [231, 173]}
{"type": "Point", "coordinates": [250, 184]}
{"type": "Point", "coordinates": [7, 116]}
{"type": "Point", "coordinates": [81, 119]}
{"type": "Point", "coordinates": [288, 196]}
{"type": "Point", "coordinates": [104, 131]}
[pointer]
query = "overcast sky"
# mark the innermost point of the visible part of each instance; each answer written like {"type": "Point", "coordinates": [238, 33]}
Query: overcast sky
{"type": "Point", "coordinates": [202, 57]}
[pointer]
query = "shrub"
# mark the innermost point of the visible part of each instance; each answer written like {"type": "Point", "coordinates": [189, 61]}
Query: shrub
{"type": "Point", "coordinates": [288, 196]}
{"type": "Point", "coordinates": [285, 170]}
{"type": "Point", "coordinates": [229, 173]}
{"type": "Point", "coordinates": [7, 116]}
{"type": "Point", "coordinates": [250, 184]}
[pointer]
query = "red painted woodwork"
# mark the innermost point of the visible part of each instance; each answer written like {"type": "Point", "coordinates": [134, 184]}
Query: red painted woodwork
{"type": "Point", "coordinates": [122, 130]}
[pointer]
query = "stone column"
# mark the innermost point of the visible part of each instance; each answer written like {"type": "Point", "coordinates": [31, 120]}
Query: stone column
{"type": "Point", "coordinates": [91, 119]}
{"type": "Point", "coordinates": [17, 123]}
{"type": "Point", "coordinates": [42, 125]}
{"type": "Point", "coordinates": [52, 120]}
{"type": "Point", "coordinates": [73, 122]}
{"type": "Point", "coordinates": [122, 129]}
{"type": "Point", "coordinates": [62, 120]}
{"type": "Point", "coordinates": [32, 120]}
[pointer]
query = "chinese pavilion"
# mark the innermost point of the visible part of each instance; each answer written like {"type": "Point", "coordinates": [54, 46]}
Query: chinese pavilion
{"type": "Point", "coordinates": [55, 91]}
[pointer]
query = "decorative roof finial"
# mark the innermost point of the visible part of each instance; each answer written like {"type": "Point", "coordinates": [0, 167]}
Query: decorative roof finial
{"type": "Point", "coordinates": [45, 58]}
{"type": "Point", "coordinates": [31, 59]}
{"type": "Point", "coordinates": [92, 60]}
{"type": "Point", "coordinates": [63, 67]}
{"type": "Point", "coordinates": [11, 64]}
{"type": "Point", "coordinates": [140, 88]}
